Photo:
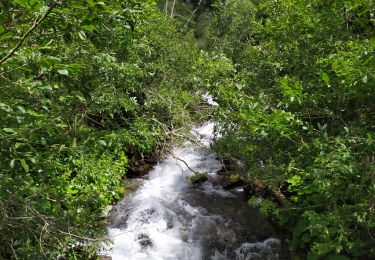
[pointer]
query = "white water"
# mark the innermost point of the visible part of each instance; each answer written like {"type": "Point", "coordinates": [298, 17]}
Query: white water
{"type": "Point", "coordinates": [167, 218]}
{"type": "Point", "coordinates": [210, 100]}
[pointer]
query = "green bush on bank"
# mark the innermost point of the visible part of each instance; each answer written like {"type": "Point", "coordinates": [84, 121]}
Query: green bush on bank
{"type": "Point", "coordinates": [299, 112]}
{"type": "Point", "coordinates": [96, 84]}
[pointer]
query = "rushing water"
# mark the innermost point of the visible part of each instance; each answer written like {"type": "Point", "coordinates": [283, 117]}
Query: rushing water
{"type": "Point", "coordinates": [167, 218]}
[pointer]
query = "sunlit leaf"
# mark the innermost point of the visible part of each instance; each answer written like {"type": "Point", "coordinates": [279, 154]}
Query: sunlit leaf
{"type": "Point", "coordinates": [63, 72]}
{"type": "Point", "coordinates": [9, 130]}
{"type": "Point", "coordinates": [102, 142]}
{"type": "Point", "coordinates": [24, 165]}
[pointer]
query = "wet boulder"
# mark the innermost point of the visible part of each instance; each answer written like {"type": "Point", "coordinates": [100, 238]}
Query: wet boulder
{"type": "Point", "coordinates": [229, 181]}
{"type": "Point", "coordinates": [197, 178]}
{"type": "Point", "coordinates": [138, 169]}
{"type": "Point", "coordinates": [267, 249]}
{"type": "Point", "coordinates": [144, 240]}
{"type": "Point", "coordinates": [184, 234]}
{"type": "Point", "coordinates": [133, 184]}
{"type": "Point", "coordinates": [118, 215]}
{"type": "Point", "coordinates": [105, 257]}
{"type": "Point", "coordinates": [234, 181]}
{"type": "Point", "coordinates": [227, 237]}
{"type": "Point", "coordinates": [145, 216]}
{"type": "Point", "coordinates": [120, 221]}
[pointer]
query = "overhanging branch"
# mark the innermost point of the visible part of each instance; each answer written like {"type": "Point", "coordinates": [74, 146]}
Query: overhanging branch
{"type": "Point", "coordinates": [184, 162]}
{"type": "Point", "coordinates": [36, 23]}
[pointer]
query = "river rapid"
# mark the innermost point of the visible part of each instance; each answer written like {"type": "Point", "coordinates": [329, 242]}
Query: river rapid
{"type": "Point", "coordinates": [168, 218]}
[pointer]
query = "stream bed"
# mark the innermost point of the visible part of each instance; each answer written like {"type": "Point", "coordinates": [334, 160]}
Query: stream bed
{"type": "Point", "coordinates": [168, 218]}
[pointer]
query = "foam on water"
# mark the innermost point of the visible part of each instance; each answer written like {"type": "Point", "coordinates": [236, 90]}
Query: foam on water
{"type": "Point", "coordinates": [209, 99]}
{"type": "Point", "coordinates": [158, 223]}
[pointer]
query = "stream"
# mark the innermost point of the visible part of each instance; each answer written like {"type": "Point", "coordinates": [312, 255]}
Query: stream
{"type": "Point", "coordinates": [168, 218]}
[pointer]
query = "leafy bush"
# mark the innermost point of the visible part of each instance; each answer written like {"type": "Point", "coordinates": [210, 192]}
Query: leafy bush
{"type": "Point", "coordinates": [93, 85]}
{"type": "Point", "coordinates": [298, 114]}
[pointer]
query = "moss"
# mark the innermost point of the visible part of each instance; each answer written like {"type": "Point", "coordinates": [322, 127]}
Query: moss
{"type": "Point", "coordinates": [197, 178]}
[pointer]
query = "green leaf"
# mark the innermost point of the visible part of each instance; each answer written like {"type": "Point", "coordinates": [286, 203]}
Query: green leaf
{"type": "Point", "coordinates": [365, 79]}
{"type": "Point", "coordinates": [61, 125]}
{"type": "Point", "coordinates": [45, 87]}
{"type": "Point", "coordinates": [102, 142]}
{"type": "Point", "coordinates": [21, 109]}
{"type": "Point", "coordinates": [9, 130]}
{"type": "Point", "coordinates": [324, 76]}
{"type": "Point", "coordinates": [80, 98]}
{"type": "Point", "coordinates": [23, 3]}
{"type": "Point", "coordinates": [2, 29]}
{"type": "Point", "coordinates": [12, 163]}
{"type": "Point", "coordinates": [24, 165]}
{"type": "Point", "coordinates": [88, 28]}
{"type": "Point", "coordinates": [46, 205]}
{"type": "Point", "coordinates": [295, 180]}
{"type": "Point", "coordinates": [63, 72]}
{"type": "Point", "coordinates": [90, 3]}
{"type": "Point", "coordinates": [82, 35]}
{"type": "Point", "coordinates": [37, 6]}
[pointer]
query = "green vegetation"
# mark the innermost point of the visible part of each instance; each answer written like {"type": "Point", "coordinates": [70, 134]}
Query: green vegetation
{"type": "Point", "coordinates": [299, 114]}
{"type": "Point", "coordinates": [87, 86]}
{"type": "Point", "coordinates": [197, 178]}
{"type": "Point", "coordinates": [91, 86]}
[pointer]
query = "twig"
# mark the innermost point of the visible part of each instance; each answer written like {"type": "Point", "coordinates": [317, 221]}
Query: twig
{"type": "Point", "coordinates": [119, 234]}
{"type": "Point", "coordinates": [40, 239]}
{"type": "Point", "coordinates": [172, 11]}
{"type": "Point", "coordinates": [35, 24]}
{"type": "Point", "coordinates": [166, 6]}
{"type": "Point", "coordinates": [192, 14]}
{"type": "Point", "coordinates": [85, 115]}
{"type": "Point", "coordinates": [184, 162]}
{"type": "Point", "coordinates": [5, 72]}
{"type": "Point", "coordinates": [77, 236]}
{"type": "Point", "coordinates": [13, 251]}
{"type": "Point", "coordinates": [164, 126]}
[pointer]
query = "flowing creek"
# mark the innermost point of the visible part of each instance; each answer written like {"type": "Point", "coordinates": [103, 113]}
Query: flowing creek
{"type": "Point", "coordinates": [168, 218]}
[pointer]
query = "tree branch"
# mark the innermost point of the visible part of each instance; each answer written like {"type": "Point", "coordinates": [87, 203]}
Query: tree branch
{"type": "Point", "coordinates": [192, 15]}
{"type": "Point", "coordinates": [184, 162]}
{"type": "Point", "coordinates": [172, 11]}
{"type": "Point", "coordinates": [35, 24]}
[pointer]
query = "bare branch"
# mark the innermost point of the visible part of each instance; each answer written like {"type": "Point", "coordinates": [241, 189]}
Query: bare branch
{"type": "Point", "coordinates": [192, 15]}
{"type": "Point", "coordinates": [172, 11]}
{"type": "Point", "coordinates": [80, 237]}
{"type": "Point", "coordinates": [184, 162]}
{"type": "Point", "coordinates": [35, 24]}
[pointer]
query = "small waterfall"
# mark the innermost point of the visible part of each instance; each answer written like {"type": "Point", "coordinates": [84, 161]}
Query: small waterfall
{"type": "Point", "coordinates": [168, 218]}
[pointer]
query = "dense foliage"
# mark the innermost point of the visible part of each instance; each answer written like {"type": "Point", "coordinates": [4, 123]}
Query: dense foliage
{"type": "Point", "coordinates": [298, 114]}
{"type": "Point", "coordinates": [90, 87]}
{"type": "Point", "coordinates": [87, 87]}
